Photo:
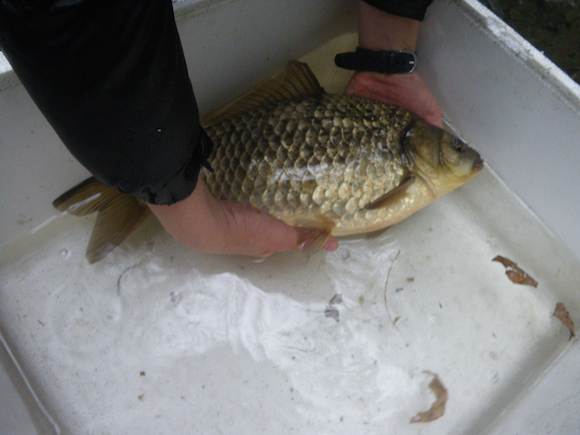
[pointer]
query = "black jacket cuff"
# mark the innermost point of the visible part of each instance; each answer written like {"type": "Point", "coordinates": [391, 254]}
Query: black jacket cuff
{"type": "Point", "coordinates": [414, 9]}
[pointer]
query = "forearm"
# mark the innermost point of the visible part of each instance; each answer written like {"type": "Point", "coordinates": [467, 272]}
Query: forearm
{"type": "Point", "coordinates": [414, 9]}
{"type": "Point", "coordinates": [110, 77]}
{"type": "Point", "coordinates": [393, 27]}
{"type": "Point", "coordinates": [379, 30]}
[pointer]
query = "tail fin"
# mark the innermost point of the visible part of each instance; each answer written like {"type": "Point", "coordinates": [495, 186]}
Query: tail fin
{"type": "Point", "coordinates": [118, 216]}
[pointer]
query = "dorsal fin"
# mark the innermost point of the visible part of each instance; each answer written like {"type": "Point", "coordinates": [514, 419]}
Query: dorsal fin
{"type": "Point", "coordinates": [294, 81]}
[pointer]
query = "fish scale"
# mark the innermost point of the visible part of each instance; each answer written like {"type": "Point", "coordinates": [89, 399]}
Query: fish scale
{"type": "Point", "coordinates": [326, 156]}
{"type": "Point", "coordinates": [331, 164]}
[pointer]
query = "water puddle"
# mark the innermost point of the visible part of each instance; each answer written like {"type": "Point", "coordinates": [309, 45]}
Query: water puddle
{"type": "Point", "coordinates": [160, 339]}
{"type": "Point", "coordinates": [156, 336]}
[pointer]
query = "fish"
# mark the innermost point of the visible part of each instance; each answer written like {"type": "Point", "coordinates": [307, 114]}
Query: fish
{"type": "Point", "coordinates": [335, 164]}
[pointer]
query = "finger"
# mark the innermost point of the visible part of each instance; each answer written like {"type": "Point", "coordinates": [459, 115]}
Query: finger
{"type": "Point", "coordinates": [254, 232]}
{"type": "Point", "coordinates": [408, 91]}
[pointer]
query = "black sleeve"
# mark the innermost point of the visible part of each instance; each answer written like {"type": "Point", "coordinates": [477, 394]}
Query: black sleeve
{"type": "Point", "coordinates": [405, 8]}
{"type": "Point", "coordinates": [110, 77]}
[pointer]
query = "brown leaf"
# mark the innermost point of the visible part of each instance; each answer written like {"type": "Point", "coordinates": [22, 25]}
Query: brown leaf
{"type": "Point", "coordinates": [564, 316]}
{"type": "Point", "coordinates": [438, 408]}
{"type": "Point", "coordinates": [515, 273]}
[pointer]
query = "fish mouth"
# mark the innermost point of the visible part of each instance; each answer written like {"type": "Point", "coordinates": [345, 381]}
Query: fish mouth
{"type": "Point", "coordinates": [477, 164]}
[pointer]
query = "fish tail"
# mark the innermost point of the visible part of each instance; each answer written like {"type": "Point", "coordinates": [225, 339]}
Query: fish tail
{"type": "Point", "coordinates": [118, 215]}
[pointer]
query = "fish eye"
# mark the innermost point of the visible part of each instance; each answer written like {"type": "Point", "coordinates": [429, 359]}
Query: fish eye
{"type": "Point", "coordinates": [458, 146]}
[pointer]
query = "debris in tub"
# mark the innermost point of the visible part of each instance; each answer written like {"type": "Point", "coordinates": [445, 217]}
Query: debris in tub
{"type": "Point", "coordinates": [336, 299]}
{"type": "Point", "coordinates": [331, 310]}
{"type": "Point", "coordinates": [564, 316]}
{"type": "Point", "coordinates": [119, 280]}
{"type": "Point", "coordinates": [386, 285]}
{"type": "Point", "coordinates": [175, 297]}
{"type": "Point", "coordinates": [438, 408]}
{"type": "Point", "coordinates": [515, 273]}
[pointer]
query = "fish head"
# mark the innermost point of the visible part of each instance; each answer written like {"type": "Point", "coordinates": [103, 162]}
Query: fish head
{"type": "Point", "coordinates": [444, 161]}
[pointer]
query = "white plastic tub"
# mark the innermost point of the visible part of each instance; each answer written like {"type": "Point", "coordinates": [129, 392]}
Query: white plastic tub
{"type": "Point", "coordinates": [157, 339]}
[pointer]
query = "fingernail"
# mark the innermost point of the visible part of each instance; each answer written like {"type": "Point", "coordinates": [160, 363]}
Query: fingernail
{"type": "Point", "coordinates": [331, 245]}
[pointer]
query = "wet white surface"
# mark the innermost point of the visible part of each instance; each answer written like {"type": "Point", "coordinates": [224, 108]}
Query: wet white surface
{"type": "Point", "coordinates": [158, 339]}
{"type": "Point", "coordinates": [13, 414]}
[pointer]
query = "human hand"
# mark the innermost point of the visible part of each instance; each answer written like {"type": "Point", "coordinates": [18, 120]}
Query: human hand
{"type": "Point", "coordinates": [206, 224]}
{"type": "Point", "coordinates": [405, 90]}
{"type": "Point", "coordinates": [379, 30]}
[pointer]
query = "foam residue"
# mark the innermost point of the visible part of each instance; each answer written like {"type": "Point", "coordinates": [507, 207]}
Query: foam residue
{"type": "Point", "coordinates": [343, 370]}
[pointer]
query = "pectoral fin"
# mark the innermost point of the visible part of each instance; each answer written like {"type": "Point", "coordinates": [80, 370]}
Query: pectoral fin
{"type": "Point", "coordinates": [118, 214]}
{"type": "Point", "coordinates": [392, 197]}
{"type": "Point", "coordinates": [313, 232]}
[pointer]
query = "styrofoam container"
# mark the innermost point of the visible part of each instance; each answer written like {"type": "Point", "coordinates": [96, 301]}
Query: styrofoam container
{"type": "Point", "coordinates": [159, 339]}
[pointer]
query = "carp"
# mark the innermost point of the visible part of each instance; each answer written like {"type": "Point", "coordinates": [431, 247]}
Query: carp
{"type": "Point", "coordinates": [335, 164]}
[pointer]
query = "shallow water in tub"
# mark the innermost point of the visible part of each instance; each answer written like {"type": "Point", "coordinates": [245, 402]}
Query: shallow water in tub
{"type": "Point", "coordinates": [160, 339]}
